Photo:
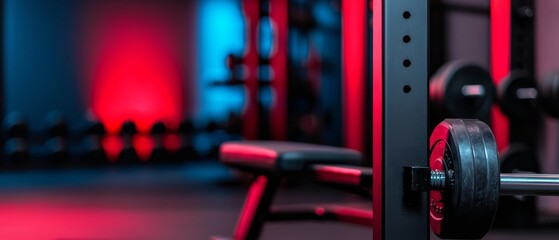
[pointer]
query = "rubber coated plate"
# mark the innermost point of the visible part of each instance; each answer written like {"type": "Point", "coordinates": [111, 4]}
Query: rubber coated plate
{"type": "Point", "coordinates": [517, 211]}
{"type": "Point", "coordinates": [447, 86]}
{"type": "Point", "coordinates": [509, 102]}
{"type": "Point", "coordinates": [550, 95]}
{"type": "Point", "coordinates": [467, 152]}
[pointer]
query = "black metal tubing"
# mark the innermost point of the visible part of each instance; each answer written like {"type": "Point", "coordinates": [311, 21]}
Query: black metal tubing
{"type": "Point", "coordinates": [2, 72]}
{"type": "Point", "coordinates": [352, 215]}
{"type": "Point", "coordinates": [345, 175]}
{"type": "Point", "coordinates": [400, 215]}
{"type": "Point", "coordinates": [256, 210]}
{"type": "Point", "coordinates": [523, 130]}
{"type": "Point", "coordinates": [256, 207]}
{"type": "Point", "coordinates": [522, 35]}
{"type": "Point", "coordinates": [437, 34]}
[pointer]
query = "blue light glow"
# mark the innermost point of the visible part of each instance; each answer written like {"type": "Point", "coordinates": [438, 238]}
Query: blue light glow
{"type": "Point", "coordinates": [221, 32]}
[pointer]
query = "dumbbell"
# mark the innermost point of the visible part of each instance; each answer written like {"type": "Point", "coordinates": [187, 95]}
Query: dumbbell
{"type": "Point", "coordinates": [16, 132]}
{"type": "Point", "coordinates": [301, 19]}
{"type": "Point", "coordinates": [550, 92]}
{"type": "Point", "coordinates": [187, 132]}
{"type": "Point", "coordinates": [186, 127]}
{"type": "Point", "coordinates": [465, 182]}
{"type": "Point", "coordinates": [15, 126]}
{"type": "Point", "coordinates": [89, 147]}
{"type": "Point", "coordinates": [460, 89]}
{"type": "Point", "coordinates": [520, 96]}
{"type": "Point", "coordinates": [159, 152]}
{"type": "Point", "coordinates": [16, 153]}
{"type": "Point", "coordinates": [234, 124]}
{"type": "Point", "coordinates": [55, 147]}
{"type": "Point", "coordinates": [95, 128]}
{"type": "Point", "coordinates": [521, 100]}
{"type": "Point", "coordinates": [212, 128]}
{"type": "Point", "coordinates": [232, 61]}
{"type": "Point", "coordinates": [128, 153]}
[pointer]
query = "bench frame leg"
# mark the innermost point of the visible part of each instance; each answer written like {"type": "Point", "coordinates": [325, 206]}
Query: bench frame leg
{"type": "Point", "coordinates": [256, 207]}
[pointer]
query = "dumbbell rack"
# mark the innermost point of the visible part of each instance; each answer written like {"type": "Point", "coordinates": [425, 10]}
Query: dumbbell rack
{"type": "Point", "coordinates": [251, 60]}
{"type": "Point", "coordinates": [512, 45]}
{"type": "Point", "coordinates": [278, 62]}
{"type": "Point", "coordinates": [512, 48]}
{"type": "Point", "coordinates": [400, 113]}
{"type": "Point", "coordinates": [254, 123]}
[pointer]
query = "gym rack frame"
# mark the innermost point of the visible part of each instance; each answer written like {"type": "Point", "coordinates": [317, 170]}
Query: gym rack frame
{"type": "Point", "coordinates": [400, 116]}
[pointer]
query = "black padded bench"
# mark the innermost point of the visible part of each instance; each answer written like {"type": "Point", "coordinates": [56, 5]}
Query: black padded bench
{"type": "Point", "coordinates": [273, 160]}
{"type": "Point", "coordinates": [284, 157]}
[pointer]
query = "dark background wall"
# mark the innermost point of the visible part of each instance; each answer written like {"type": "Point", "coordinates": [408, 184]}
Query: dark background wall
{"type": "Point", "coordinates": [468, 31]}
{"type": "Point", "coordinates": [47, 67]}
{"type": "Point", "coordinates": [547, 62]}
{"type": "Point", "coordinates": [68, 56]}
{"type": "Point", "coordinates": [41, 71]}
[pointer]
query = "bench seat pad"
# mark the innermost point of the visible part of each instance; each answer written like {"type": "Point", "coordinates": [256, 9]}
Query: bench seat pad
{"type": "Point", "coordinates": [277, 156]}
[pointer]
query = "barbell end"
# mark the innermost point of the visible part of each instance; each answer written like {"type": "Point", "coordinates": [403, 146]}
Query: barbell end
{"type": "Point", "coordinates": [476, 90]}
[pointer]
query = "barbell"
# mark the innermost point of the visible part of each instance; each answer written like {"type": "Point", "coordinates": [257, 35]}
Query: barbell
{"type": "Point", "coordinates": [465, 180]}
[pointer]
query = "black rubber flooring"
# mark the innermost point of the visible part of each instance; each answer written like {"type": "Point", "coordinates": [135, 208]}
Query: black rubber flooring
{"type": "Point", "coordinates": [191, 201]}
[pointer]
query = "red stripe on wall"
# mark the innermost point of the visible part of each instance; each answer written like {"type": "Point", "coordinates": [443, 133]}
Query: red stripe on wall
{"type": "Point", "coordinates": [278, 62]}
{"type": "Point", "coordinates": [251, 60]}
{"type": "Point", "coordinates": [500, 62]}
{"type": "Point", "coordinates": [378, 111]}
{"type": "Point", "coordinates": [354, 33]}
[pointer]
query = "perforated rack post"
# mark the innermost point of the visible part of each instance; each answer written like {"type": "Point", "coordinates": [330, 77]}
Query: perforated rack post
{"type": "Point", "coordinates": [400, 107]}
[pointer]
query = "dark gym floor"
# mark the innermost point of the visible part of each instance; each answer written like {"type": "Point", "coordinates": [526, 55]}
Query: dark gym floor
{"type": "Point", "coordinates": [192, 201]}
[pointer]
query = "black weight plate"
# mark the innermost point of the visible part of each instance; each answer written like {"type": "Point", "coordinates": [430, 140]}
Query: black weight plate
{"type": "Point", "coordinates": [519, 158]}
{"type": "Point", "coordinates": [446, 91]}
{"type": "Point", "coordinates": [550, 95]}
{"type": "Point", "coordinates": [510, 104]}
{"type": "Point", "coordinates": [517, 211]}
{"type": "Point", "coordinates": [16, 154]}
{"type": "Point", "coordinates": [15, 126]}
{"type": "Point", "coordinates": [467, 152]}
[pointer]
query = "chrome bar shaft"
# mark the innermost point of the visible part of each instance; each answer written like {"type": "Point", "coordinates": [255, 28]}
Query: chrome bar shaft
{"type": "Point", "coordinates": [529, 184]}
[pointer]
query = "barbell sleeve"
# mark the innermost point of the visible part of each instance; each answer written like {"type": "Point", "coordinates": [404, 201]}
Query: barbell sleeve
{"type": "Point", "coordinates": [527, 93]}
{"type": "Point", "coordinates": [473, 90]}
{"type": "Point", "coordinates": [529, 184]}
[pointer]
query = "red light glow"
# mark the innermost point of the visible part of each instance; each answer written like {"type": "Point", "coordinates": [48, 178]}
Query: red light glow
{"type": "Point", "coordinates": [144, 145]}
{"type": "Point", "coordinates": [278, 61]}
{"type": "Point", "coordinates": [378, 101]}
{"type": "Point", "coordinates": [251, 10]}
{"type": "Point", "coordinates": [500, 62]}
{"type": "Point", "coordinates": [112, 146]}
{"type": "Point", "coordinates": [28, 220]}
{"type": "Point", "coordinates": [354, 30]}
{"type": "Point", "coordinates": [134, 58]}
{"type": "Point", "coordinates": [172, 142]}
